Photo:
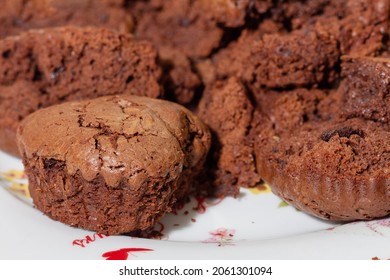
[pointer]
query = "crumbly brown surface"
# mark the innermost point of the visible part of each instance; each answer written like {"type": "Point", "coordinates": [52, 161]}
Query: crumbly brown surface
{"type": "Point", "coordinates": [185, 32]}
{"type": "Point", "coordinates": [360, 26]}
{"type": "Point", "coordinates": [300, 43]}
{"type": "Point", "coordinates": [297, 59]}
{"type": "Point", "coordinates": [40, 68]}
{"type": "Point", "coordinates": [17, 16]}
{"type": "Point", "coordinates": [367, 88]}
{"type": "Point", "coordinates": [179, 80]}
{"type": "Point", "coordinates": [233, 60]}
{"type": "Point", "coordinates": [113, 164]}
{"type": "Point", "coordinates": [196, 28]}
{"type": "Point", "coordinates": [227, 110]}
{"type": "Point", "coordinates": [320, 161]}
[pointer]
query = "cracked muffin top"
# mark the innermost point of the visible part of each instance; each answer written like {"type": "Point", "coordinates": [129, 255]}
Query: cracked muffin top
{"type": "Point", "coordinates": [117, 137]}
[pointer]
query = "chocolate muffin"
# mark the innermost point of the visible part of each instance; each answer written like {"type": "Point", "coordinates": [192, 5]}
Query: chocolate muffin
{"type": "Point", "coordinates": [17, 16]}
{"type": "Point", "coordinates": [326, 165]}
{"type": "Point", "coordinates": [227, 110]}
{"type": "Point", "coordinates": [114, 164]}
{"type": "Point", "coordinates": [367, 87]}
{"type": "Point", "coordinates": [44, 67]}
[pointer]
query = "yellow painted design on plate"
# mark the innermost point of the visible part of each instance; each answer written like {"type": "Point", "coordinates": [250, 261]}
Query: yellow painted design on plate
{"type": "Point", "coordinates": [16, 182]}
{"type": "Point", "coordinates": [260, 189]}
{"type": "Point", "coordinates": [20, 188]}
{"type": "Point", "coordinates": [13, 174]}
{"type": "Point", "coordinates": [283, 204]}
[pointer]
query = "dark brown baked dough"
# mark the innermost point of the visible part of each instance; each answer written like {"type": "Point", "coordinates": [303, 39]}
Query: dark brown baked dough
{"type": "Point", "coordinates": [360, 26]}
{"type": "Point", "coordinates": [17, 16]}
{"type": "Point", "coordinates": [186, 31]}
{"type": "Point", "coordinates": [321, 163]}
{"type": "Point", "coordinates": [234, 59]}
{"type": "Point", "coordinates": [303, 58]}
{"type": "Point", "coordinates": [44, 67]}
{"type": "Point", "coordinates": [114, 164]}
{"type": "Point", "coordinates": [227, 110]}
{"type": "Point", "coordinates": [196, 27]}
{"type": "Point", "coordinates": [296, 59]}
{"type": "Point", "coordinates": [364, 27]}
{"type": "Point", "coordinates": [300, 43]}
{"type": "Point", "coordinates": [179, 80]}
{"type": "Point", "coordinates": [366, 90]}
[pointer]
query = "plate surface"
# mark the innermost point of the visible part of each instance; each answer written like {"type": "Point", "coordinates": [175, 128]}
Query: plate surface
{"type": "Point", "coordinates": [256, 225]}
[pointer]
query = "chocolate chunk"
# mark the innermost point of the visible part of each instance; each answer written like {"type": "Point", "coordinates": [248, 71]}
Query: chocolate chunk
{"type": "Point", "coordinates": [345, 131]}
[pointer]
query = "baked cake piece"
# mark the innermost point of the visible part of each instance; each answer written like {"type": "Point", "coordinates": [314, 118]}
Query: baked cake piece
{"type": "Point", "coordinates": [227, 110]}
{"type": "Point", "coordinates": [321, 163]}
{"type": "Point", "coordinates": [296, 59]}
{"type": "Point", "coordinates": [300, 43]}
{"type": "Point", "coordinates": [366, 91]}
{"type": "Point", "coordinates": [297, 14]}
{"type": "Point", "coordinates": [17, 16]}
{"type": "Point", "coordinates": [179, 80]}
{"type": "Point", "coordinates": [360, 26]}
{"type": "Point", "coordinates": [186, 31]}
{"type": "Point", "coordinates": [44, 67]}
{"type": "Point", "coordinates": [364, 27]}
{"type": "Point", "coordinates": [279, 60]}
{"type": "Point", "coordinates": [195, 27]}
{"type": "Point", "coordinates": [114, 164]}
{"type": "Point", "coordinates": [233, 60]}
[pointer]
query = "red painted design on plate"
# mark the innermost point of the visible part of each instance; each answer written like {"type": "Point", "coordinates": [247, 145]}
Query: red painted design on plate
{"type": "Point", "coordinates": [222, 237]}
{"type": "Point", "coordinates": [123, 254]}
{"type": "Point", "coordinates": [88, 239]}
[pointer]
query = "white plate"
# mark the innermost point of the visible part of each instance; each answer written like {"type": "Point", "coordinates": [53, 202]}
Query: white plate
{"type": "Point", "coordinates": [256, 225]}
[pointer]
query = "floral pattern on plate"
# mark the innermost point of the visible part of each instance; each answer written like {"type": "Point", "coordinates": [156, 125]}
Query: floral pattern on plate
{"type": "Point", "coordinates": [16, 182]}
{"type": "Point", "coordinates": [221, 237]}
{"type": "Point", "coordinates": [379, 227]}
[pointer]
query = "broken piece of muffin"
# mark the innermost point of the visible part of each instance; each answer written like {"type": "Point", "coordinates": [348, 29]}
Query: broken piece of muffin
{"type": "Point", "coordinates": [366, 90]}
{"type": "Point", "coordinates": [44, 67]}
{"type": "Point", "coordinates": [323, 153]}
{"type": "Point", "coordinates": [227, 110]}
{"type": "Point", "coordinates": [17, 16]}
